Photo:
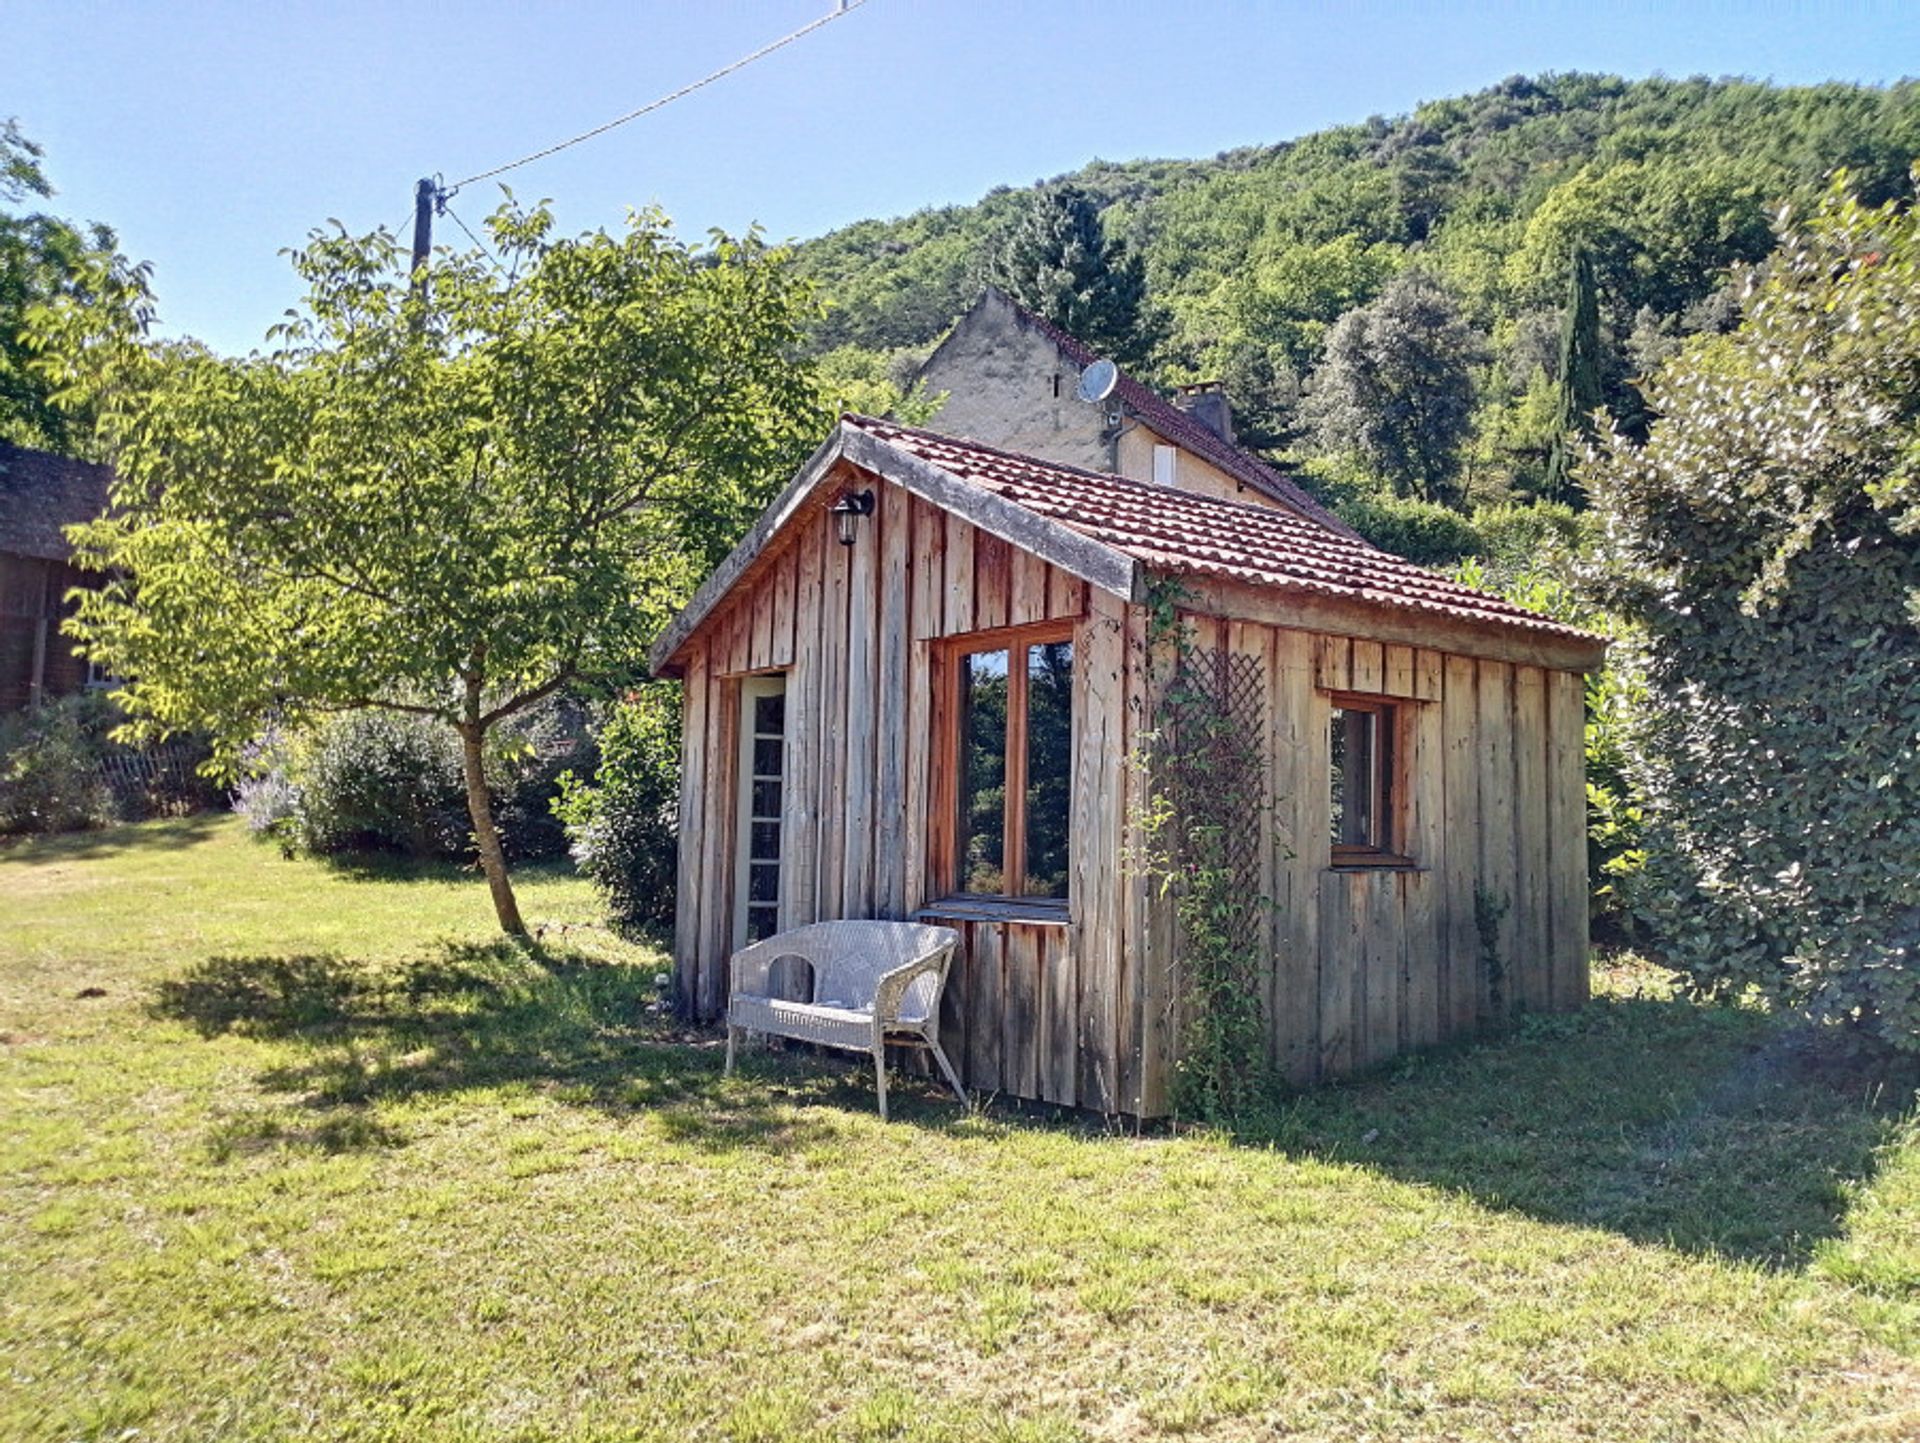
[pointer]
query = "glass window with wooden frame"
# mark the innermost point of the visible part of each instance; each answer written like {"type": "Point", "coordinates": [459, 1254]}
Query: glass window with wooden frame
{"type": "Point", "coordinates": [1012, 764]}
{"type": "Point", "coordinates": [762, 778]}
{"type": "Point", "coordinates": [1364, 752]}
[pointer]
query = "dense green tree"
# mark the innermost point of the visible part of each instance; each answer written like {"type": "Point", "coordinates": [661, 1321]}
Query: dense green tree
{"type": "Point", "coordinates": [1263, 328]}
{"type": "Point", "coordinates": [1659, 232]}
{"type": "Point", "coordinates": [1292, 296]}
{"type": "Point", "coordinates": [1766, 541]}
{"type": "Point", "coordinates": [1396, 387]}
{"type": "Point", "coordinates": [449, 506]}
{"type": "Point", "coordinates": [1513, 440]}
{"type": "Point", "coordinates": [875, 383]}
{"type": "Point", "coordinates": [45, 260]}
{"type": "Point", "coordinates": [1579, 392]}
{"type": "Point", "coordinates": [1059, 262]}
{"type": "Point", "coordinates": [1265, 389]}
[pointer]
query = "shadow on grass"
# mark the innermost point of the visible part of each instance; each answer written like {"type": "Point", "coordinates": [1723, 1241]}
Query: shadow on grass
{"type": "Point", "coordinates": [333, 1130]}
{"type": "Point", "coordinates": [1713, 1130]}
{"type": "Point", "coordinates": [1716, 1131]}
{"type": "Point", "coordinates": [391, 867]}
{"type": "Point", "coordinates": [470, 1018]}
{"type": "Point", "coordinates": [171, 835]}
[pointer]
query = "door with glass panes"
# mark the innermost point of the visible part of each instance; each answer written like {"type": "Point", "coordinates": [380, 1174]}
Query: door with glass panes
{"type": "Point", "coordinates": [762, 768]}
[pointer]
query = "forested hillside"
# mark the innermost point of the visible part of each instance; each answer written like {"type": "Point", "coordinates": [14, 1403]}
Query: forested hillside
{"type": "Point", "coordinates": [1251, 258]}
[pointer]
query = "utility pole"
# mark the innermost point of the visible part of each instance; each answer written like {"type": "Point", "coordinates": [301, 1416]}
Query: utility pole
{"type": "Point", "coordinates": [424, 196]}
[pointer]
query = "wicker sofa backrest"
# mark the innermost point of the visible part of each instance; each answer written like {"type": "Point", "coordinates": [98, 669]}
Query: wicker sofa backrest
{"type": "Point", "coordinates": [856, 955]}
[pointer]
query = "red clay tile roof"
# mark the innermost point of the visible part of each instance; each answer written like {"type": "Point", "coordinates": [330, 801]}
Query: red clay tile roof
{"type": "Point", "coordinates": [39, 494]}
{"type": "Point", "coordinates": [1161, 415]}
{"type": "Point", "coordinates": [1184, 532]}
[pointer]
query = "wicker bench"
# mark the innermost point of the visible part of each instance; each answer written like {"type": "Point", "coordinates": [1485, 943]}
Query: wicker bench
{"type": "Point", "coordinates": [873, 983]}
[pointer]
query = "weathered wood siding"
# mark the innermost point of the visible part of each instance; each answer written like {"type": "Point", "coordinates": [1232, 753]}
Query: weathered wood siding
{"type": "Point", "coordinates": [1035, 1009]}
{"type": "Point", "coordinates": [1368, 963]}
{"type": "Point", "coordinates": [37, 660]}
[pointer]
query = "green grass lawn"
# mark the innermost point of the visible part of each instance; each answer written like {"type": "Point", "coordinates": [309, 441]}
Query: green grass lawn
{"type": "Point", "coordinates": [292, 1151]}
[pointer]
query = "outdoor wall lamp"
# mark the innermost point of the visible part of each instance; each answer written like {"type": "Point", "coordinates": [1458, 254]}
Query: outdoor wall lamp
{"type": "Point", "coordinates": [847, 512]}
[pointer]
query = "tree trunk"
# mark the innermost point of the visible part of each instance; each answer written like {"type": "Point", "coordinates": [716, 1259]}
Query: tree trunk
{"type": "Point", "coordinates": [493, 861]}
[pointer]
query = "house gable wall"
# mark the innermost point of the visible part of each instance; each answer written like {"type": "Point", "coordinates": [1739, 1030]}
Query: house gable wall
{"type": "Point", "coordinates": [1035, 1008]}
{"type": "Point", "coordinates": [1007, 385]}
{"type": "Point", "coordinates": [1134, 460]}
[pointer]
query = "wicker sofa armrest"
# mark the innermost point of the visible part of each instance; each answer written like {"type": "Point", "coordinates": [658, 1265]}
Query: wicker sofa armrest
{"type": "Point", "coordinates": [892, 988]}
{"type": "Point", "coordinates": [750, 969]}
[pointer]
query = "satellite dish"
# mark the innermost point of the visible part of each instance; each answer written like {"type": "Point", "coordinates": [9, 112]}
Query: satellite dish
{"type": "Point", "coordinates": [1097, 381]}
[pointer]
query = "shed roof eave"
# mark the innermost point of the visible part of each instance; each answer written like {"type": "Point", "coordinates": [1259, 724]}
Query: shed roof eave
{"type": "Point", "coordinates": [1054, 542]}
{"type": "Point", "coordinates": [1092, 561]}
{"type": "Point", "coordinates": [1388, 621]}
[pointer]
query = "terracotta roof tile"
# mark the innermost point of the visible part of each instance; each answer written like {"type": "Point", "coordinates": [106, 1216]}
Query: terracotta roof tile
{"type": "Point", "coordinates": [1186, 532]}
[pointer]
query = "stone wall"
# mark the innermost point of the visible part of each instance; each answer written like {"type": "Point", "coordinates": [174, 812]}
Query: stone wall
{"type": "Point", "coordinates": [1008, 386]}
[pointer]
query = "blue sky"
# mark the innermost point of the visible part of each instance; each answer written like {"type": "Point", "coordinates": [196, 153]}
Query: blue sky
{"type": "Point", "coordinates": [213, 135]}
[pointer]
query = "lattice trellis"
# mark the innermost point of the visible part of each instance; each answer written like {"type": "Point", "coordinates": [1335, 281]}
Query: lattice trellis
{"type": "Point", "coordinates": [1213, 768]}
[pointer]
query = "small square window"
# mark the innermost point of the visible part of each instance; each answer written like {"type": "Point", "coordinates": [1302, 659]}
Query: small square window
{"type": "Point", "coordinates": [1362, 747]}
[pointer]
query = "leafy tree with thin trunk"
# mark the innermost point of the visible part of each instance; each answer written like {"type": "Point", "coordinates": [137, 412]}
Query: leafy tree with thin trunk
{"type": "Point", "coordinates": [1396, 387]}
{"type": "Point", "coordinates": [450, 502]}
{"type": "Point", "coordinates": [1058, 262]}
{"type": "Point", "coordinates": [1581, 390]}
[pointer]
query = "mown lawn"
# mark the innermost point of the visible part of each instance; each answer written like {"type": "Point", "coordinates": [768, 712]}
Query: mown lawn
{"type": "Point", "coordinates": [291, 1151]}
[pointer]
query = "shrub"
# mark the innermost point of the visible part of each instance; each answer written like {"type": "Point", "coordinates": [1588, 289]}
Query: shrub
{"type": "Point", "coordinates": [1764, 541]}
{"type": "Point", "coordinates": [62, 771]}
{"type": "Point", "coordinates": [378, 781]}
{"type": "Point", "coordinates": [1616, 811]}
{"type": "Point", "coordinates": [266, 794]}
{"type": "Point", "coordinates": [624, 825]}
{"type": "Point", "coordinates": [50, 776]}
{"type": "Point", "coordinates": [1424, 532]}
{"type": "Point", "coordinates": [535, 751]}
{"type": "Point", "coordinates": [1512, 535]}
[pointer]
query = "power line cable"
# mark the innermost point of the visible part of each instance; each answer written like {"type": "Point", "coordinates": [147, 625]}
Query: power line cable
{"type": "Point", "coordinates": [841, 8]}
{"type": "Point", "coordinates": [445, 209]}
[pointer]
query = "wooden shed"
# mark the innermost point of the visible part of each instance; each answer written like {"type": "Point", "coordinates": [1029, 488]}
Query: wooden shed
{"type": "Point", "coordinates": [919, 687]}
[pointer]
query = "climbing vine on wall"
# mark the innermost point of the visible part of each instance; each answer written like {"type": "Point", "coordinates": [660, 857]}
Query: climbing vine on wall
{"type": "Point", "coordinates": [1198, 839]}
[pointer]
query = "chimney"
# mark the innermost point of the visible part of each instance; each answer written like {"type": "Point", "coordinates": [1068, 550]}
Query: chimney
{"type": "Point", "coordinates": [1206, 402]}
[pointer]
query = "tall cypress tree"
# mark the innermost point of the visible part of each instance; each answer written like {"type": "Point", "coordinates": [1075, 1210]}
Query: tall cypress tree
{"type": "Point", "coordinates": [1058, 263]}
{"type": "Point", "coordinates": [1581, 388]}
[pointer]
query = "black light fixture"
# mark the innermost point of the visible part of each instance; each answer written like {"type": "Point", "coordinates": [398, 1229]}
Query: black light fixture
{"type": "Point", "coordinates": [847, 512]}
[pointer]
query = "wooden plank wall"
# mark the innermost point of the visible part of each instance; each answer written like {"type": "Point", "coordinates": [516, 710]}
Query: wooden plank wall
{"type": "Point", "coordinates": [33, 604]}
{"type": "Point", "coordinates": [1035, 1011]}
{"type": "Point", "coordinates": [1370, 963]}
{"type": "Point", "coordinates": [1011, 1018]}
